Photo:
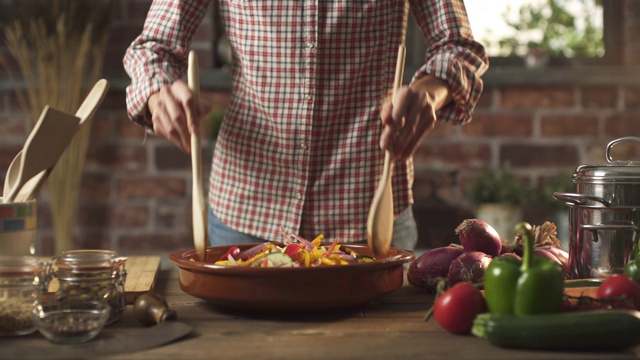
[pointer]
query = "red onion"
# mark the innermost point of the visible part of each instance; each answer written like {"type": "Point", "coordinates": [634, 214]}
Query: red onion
{"type": "Point", "coordinates": [252, 251]}
{"type": "Point", "coordinates": [512, 255]}
{"type": "Point", "coordinates": [429, 268]}
{"type": "Point", "coordinates": [469, 267]}
{"type": "Point", "coordinates": [553, 253]}
{"type": "Point", "coordinates": [478, 235]}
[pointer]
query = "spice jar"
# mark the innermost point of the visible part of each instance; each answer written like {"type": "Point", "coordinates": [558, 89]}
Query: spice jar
{"type": "Point", "coordinates": [20, 281]}
{"type": "Point", "coordinates": [91, 275]}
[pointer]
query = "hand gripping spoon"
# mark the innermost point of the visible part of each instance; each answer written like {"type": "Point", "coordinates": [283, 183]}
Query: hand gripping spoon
{"type": "Point", "coordinates": [85, 112]}
{"type": "Point", "coordinates": [42, 149]}
{"type": "Point", "coordinates": [198, 202]}
{"type": "Point", "coordinates": [380, 220]}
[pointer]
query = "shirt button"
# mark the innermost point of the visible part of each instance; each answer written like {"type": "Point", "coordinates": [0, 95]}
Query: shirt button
{"type": "Point", "coordinates": [303, 146]}
{"type": "Point", "coordinates": [307, 97]}
{"type": "Point", "coordinates": [310, 45]}
{"type": "Point", "coordinates": [298, 195]}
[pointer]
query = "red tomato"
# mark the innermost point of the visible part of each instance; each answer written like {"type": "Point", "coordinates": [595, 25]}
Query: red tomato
{"type": "Point", "coordinates": [456, 309]}
{"type": "Point", "coordinates": [618, 286]}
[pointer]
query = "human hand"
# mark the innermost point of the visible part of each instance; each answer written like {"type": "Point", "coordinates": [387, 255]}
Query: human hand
{"type": "Point", "coordinates": [410, 115]}
{"type": "Point", "coordinates": [176, 114]}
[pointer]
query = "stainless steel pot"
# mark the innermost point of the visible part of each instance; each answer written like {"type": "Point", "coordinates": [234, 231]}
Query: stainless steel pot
{"type": "Point", "coordinates": [601, 237]}
{"type": "Point", "coordinates": [604, 215]}
{"type": "Point", "coordinates": [617, 182]}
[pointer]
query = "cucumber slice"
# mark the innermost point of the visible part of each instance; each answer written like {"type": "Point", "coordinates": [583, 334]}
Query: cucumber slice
{"type": "Point", "coordinates": [364, 258]}
{"type": "Point", "coordinates": [275, 260]}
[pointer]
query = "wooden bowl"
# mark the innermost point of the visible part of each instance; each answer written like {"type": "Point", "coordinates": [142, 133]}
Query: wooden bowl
{"type": "Point", "coordinates": [290, 289]}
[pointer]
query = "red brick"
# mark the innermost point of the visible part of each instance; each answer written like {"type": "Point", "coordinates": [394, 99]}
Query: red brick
{"type": "Point", "coordinates": [93, 216]}
{"type": "Point", "coordinates": [631, 97]}
{"type": "Point", "coordinates": [172, 215]}
{"type": "Point", "coordinates": [117, 157]}
{"type": "Point", "coordinates": [123, 216]}
{"type": "Point", "coordinates": [448, 156]}
{"type": "Point", "coordinates": [600, 97]}
{"type": "Point", "coordinates": [522, 156]}
{"type": "Point", "coordinates": [169, 157]}
{"type": "Point", "coordinates": [153, 243]}
{"type": "Point", "coordinates": [148, 187]}
{"type": "Point", "coordinates": [127, 129]}
{"type": "Point", "coordinates": [486, 99]}
{"type": "Point", "coordinates": [93, 240]}
{"type": "Point", "coordinates": [95, 187]}
{"type": "Point", "coordinates": [619, 125]}
{"type": "Point", "coordinates": [499, 124]}
{"type": "Point", "coordinates": [537, 97]}
{"type": "Point", "coordinates": [569, 125]}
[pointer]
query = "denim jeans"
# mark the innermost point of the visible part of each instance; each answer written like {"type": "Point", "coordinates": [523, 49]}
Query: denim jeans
{"type": "Point", "coordinates": [405, 233]}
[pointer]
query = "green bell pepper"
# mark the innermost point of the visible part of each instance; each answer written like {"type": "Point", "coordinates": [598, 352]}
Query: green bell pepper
{"type": "Point", "coordinates": [534, 285]}
{"type": "Point", "coordinates": [632, 269]}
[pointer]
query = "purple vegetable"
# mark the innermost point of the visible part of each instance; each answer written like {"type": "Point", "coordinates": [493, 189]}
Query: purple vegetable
{"type": "Point", "coordinates": [478, 235]}
{"type": "Point", "coordinates": [469, 267]}
{"type": "Point", "coordinates": [252, 251]}
{"type": "Point", "coordinates": [511, 254]}
{"type": "Point", "coordinates": [425, 271]}
{"type": "Point", "coordinates": [558, 255]}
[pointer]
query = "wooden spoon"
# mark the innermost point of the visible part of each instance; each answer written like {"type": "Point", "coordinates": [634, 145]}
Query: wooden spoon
{"type": "Point", "coordinates": [44, 146]}
{"type": "Point", "coordinates": [85, 112]}
{"type": "Point", "coordinates": [380, 220]}
{"type": "Point", "coordinates": [199, 209]}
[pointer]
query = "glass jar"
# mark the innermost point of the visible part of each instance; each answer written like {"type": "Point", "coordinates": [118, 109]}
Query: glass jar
{"type": "Point", "coordinates": [21, 278]}
{"type": "Point", "coordinates": [92, 275]}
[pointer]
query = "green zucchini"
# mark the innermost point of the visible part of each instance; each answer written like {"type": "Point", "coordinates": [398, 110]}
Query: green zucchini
{"type": "Point", "coordinates": [593, 330]}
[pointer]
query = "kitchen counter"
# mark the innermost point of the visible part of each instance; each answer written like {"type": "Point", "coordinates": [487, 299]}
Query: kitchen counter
{"type": "Point", "coordinates": [391, 327]}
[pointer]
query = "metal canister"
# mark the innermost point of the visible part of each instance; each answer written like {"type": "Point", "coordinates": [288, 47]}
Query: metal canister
{"type": "Point", "coordinates": [91, 275]}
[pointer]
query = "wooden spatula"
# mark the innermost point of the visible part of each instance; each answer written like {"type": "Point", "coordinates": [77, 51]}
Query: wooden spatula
{"type": "Point", "coordinates": [42, 149]}
{"type": "Point", "coordinates": [380, 220]}
{"type": "Point", "coordinates": [198, 202]}
{"type": "Point", "coordinates": [85, 112]}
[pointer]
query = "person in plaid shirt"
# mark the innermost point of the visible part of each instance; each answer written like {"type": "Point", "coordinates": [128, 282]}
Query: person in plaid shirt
{"type": "Point", "coordinates": [302, 144]}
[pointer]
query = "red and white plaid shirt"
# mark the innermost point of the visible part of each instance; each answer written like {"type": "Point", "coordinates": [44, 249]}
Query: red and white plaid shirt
{"type": "Point", "coordinates": [299, 146]}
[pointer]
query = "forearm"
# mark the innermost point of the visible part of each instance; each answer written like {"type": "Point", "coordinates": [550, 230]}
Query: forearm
{"type": "Point", "coordinates": [437, 91]}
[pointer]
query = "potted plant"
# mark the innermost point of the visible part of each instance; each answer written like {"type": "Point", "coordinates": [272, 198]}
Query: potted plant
{"type": "Point", "coordinates": [499, 197]}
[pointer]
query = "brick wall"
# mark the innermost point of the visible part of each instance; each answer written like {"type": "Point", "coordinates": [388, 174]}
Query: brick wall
{"type": "Point", "coordinates": [136, 192]}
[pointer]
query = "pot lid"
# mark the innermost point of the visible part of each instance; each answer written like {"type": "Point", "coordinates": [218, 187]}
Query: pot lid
{"type": "Point", "coordinates": [616, 171]}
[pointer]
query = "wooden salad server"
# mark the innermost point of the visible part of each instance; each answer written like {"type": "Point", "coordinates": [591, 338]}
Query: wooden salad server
{"type": "Point", "coordinates": [380, 220]}
{"type": "Point", "coordinates": [199, 209]}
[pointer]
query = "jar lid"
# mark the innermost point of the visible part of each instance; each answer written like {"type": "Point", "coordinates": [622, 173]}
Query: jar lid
{"type": "Point", "coordinates": [616, 171]}
{"type": "Point", "coordinates": [86, 259]}
{"type": "Point", "coordinates": [20, 265]}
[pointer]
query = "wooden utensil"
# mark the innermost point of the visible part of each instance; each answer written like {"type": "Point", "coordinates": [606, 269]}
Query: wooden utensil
{"type": "Point", "coordinates": [44, 146]}
{"type": "Point", "coordinates": [199, 209]}
{"type": "Point", "coordinates": [380, 220]}
{"type": "Point", "coordinates": [85, 112]}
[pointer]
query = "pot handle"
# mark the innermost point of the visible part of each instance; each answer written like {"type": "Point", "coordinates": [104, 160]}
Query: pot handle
{"type": "Point", "coordinates": [596, 227]}
{"type": "Point", "coordinates": [578, 199]}
{"type": "Point", "coordinates": [617, 141]}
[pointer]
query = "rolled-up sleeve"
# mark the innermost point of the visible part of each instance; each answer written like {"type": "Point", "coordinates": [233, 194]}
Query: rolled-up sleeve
{"type": "Point", "coordinates": [158, 56]}
{"type": "Point", "coordinates": [452, 55]}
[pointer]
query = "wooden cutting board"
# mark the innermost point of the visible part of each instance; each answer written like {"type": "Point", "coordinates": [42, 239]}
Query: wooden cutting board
{"type": "Point", "coordinates": [141, 277]}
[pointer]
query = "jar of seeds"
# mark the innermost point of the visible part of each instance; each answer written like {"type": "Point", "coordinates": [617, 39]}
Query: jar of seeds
{"type": "Point", "coordinates": [21, 279]}
{"type": "Point", "coordinates": [91, 275]}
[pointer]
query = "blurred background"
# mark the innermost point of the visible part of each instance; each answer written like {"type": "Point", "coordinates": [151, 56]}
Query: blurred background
{"type": "Point", "coordinates": [563, 82]}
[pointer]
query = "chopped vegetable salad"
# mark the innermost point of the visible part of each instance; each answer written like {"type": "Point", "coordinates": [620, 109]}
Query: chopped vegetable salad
{"type": "Point", "coordinates": [295, 251]}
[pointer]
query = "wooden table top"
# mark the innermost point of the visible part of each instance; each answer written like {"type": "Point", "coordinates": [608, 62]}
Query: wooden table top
{"type": "Point", "coordinates": [391, 327]}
